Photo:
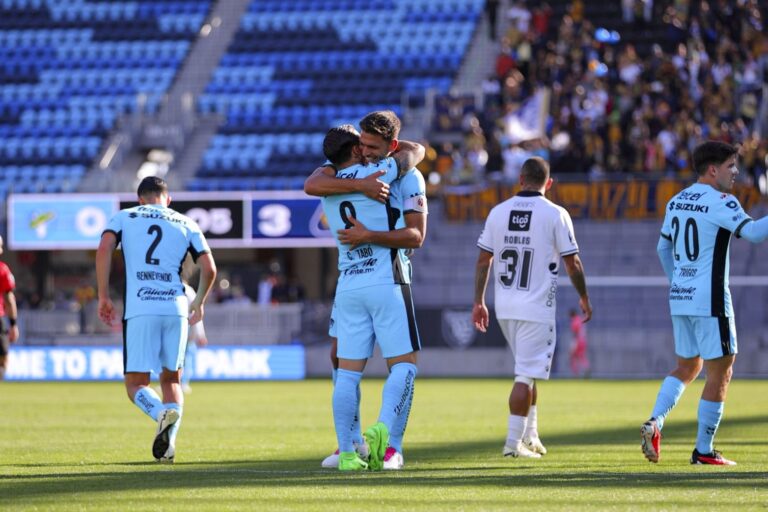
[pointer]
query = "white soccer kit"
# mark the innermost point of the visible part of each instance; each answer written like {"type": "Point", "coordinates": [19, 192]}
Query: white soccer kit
{"type": "Point", "coordinates": [528, 234]}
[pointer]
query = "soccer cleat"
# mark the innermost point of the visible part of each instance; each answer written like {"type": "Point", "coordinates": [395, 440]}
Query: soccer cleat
{"type": "Point", "coordinates": [169, 456]}
{"type": "Point", "coordinates": [715, 458]}
{"type": "Point", "coordinates": [162, 442]}
{"type": "Point", "coordinates": [332, 461]}
{"type": "Point", "coordinates": [534, 444]}
{"type": "Point", "coordinates": [650, 440]}
{"type": "Point", "coordinates": [520, 451]}
{"type": "Point", "coordinates": [393, 460]}
{"type": "Point", "coordinates": [351, 461]}
{"type": "Point", "coordinates": [377, 438]}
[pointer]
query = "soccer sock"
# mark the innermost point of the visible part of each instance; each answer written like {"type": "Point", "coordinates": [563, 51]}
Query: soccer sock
{"type": "Point", "coordinates": [709, 419]}
{"type": "Point", "coordinates": [671, 390]}
{"type": "Point", "coordinates": [515, 429]}
{"type": "Point", "coordinates": [149, 402]}
{"type": "Point", "coordinates": [357, 436]}
{"type": "Point", "coordinates": [532, 426]}
{"type": "Point", "coordinates": [333, 375]}
{"type": "Point", "coordinates": [175, 428]}
{"type": "Point", "coordinates": [344, 406]}
{"type": "Point", "coordinates": [394, 396]}
{"type": "Point", "coordinates": [401, 422]}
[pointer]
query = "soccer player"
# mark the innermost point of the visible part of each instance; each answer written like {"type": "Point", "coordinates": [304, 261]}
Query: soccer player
{"type": "Point", "coordinates": [578, 353]}
{"type": "Point", "coordinates": [693, 249]}
{"type": "Point", "coordinates": [155, 241]}
{"type": "Point", "coordinates": [373, 301]}
{"type": "Point", "coordinates": [525, 237]}
{"type": "Point", "coordinates": [408, 201]}
{"type": "Point", "coordinates": [195, 338]}
{"type": "Point", "coordinates": [8, 334]}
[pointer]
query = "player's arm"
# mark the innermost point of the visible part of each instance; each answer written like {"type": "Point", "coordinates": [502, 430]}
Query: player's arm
{"type": "Point", "coordinates": [575, 269]}
{"type": "Point", "coordinates": [408, 154]}
{"type": "Point", "coordinates": [410, 237]}
{"type": "Point", "coordinates": [207, 276]}
{"type": "Point", "coordinates": [323, 182]}
{"type": "Point", "coordinates": [13, 314]}
{"type": "Point", "coordinates": [664, 250]}
{"type": "Point", "coordinates": [107, 246]}
{"type": "Point", "coordinates": [753, 230]}
{"type": "Point", "coordinates": [480, 316]}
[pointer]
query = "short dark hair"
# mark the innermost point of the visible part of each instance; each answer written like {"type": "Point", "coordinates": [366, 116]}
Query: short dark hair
{"type": "Point", "coordinates": [382, 122]}
{"type": "Point", "coordinates": [152, 186]}
{"type": "Point", "coordinates": [535, 171]}
{"type": "Point", "coordinates": [339, 142]}
{"type": "Point", "coordinates": [711, 152]}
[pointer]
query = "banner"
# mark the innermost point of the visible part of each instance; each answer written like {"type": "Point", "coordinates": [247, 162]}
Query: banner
{"type": "Point", "coordinates": [263, 362]}
{"type": "Point", "coordinates": [296, 222]}
{"type": "Point", "coordinates": [528, 122]}
{"type": "Point", "coordinates": [601, 200]}
{"type": "Point", "coordinates": [218, 219]}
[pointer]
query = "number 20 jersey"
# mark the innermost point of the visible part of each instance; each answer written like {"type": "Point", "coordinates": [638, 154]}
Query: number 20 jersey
{"type": "Point", "coordinates": [368, 264]}
{"type": "Point", "coordinates": [699, 222]}
{"type": "Point", "coordinates": [527, 235]}
{"type": "Point", "coordinates": [155, 241]}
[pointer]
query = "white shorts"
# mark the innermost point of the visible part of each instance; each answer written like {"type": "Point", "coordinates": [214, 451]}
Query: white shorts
{"type": "Point", "coordinates": [533, 346]}
{"type": "Point", "coordinates": [151, 342]}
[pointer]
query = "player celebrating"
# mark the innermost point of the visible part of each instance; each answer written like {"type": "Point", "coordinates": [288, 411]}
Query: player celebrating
{"type": "Point", "coordinates": [155, 241]}
{"type": "Point", "coordinates": [693, 249]}
{"type": "Point", "coordinates": [525, 236]}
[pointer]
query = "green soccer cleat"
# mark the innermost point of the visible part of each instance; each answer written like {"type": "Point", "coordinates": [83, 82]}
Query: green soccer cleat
{"type": "Point", "coordinates": [377, 438]}
{"type": "Point", "coordinates": [351, 461]}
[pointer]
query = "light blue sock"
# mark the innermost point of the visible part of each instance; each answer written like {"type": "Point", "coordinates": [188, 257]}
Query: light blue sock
{"type": "Point", "coordinates": [175, 428]}
{"type": "Point", "coordinates": [357, 436]}
{"type": "Point", "coordinates": [398, 429]}
{"type": "Point", "coordinates": [333, 375]}
{"type": "Point", "coordinates": [397, 391]}
{"type": "Point", "coordinates": [345, 404]}
{"type": "Point", "coordinates": [149, 402]}
{"type": "Point", "coordinates": [709, 419]}
{"type": "Point", "coordinates": [671, 390]}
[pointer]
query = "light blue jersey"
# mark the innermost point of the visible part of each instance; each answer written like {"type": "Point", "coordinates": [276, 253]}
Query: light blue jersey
{"type": "Point", "coordinates": [697, 228]}
{"type": "Point", "coordinates": [155, 240]}
{"type": "Point", "coordinates": [368, 264]}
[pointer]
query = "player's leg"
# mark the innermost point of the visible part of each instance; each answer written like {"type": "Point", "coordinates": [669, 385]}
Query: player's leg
{"type": "Point", "coordinates": [354, 347]}
{"type": "Point", "coordinates": [190, 361]}
{"type": "Point", "coordinates": [531, 434]}
{"type": "Point", "coordinates": [719, 340]}
{"type": "Point", "coordinates": [173, 344]}
{"type": "Point", "coordinates": [397, 334]}
{"type": "Point", "coordinates": [689, 365]}
{"type": "Point", "coordinates": [5, 347]}
{"type": "Point", "coordinates": [140, 353]}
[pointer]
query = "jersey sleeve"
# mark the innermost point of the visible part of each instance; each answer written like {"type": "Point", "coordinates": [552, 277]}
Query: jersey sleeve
{"type": "Point", "coordinates": [565, 240]}
{"type": "Point", "coordinates": [729, 214]}
{"type": "Point", "coordinates": [666, 227]}
{"type": "Point", "coordinates": [7, 281]}
{"type": "Point", "coordinates": [197, 243]}
{"type": "Point", "coordinates": [115, 226]}
{"type": "Point", "coordinates": [413, 191]}
{"type": "Point", "coordinates": [485, 242]}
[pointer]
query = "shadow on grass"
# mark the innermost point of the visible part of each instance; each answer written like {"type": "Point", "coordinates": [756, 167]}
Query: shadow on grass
{"type": "Point", "coordinates": [453, 465]}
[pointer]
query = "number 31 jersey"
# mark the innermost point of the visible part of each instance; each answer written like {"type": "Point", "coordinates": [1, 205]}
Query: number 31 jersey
{"type": "Point", "coordinates": [699, 223]}
{"type": "Point", "coordinates": [155, 241]}
{"type": "Point", "coordinates": [527, 235]}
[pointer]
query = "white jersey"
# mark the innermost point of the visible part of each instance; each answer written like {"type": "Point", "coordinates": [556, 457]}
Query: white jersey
{"type": "Point", "coordinates": [527, 235]}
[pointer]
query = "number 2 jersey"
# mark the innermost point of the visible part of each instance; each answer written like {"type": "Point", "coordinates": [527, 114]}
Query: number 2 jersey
{"type": "Point", "coordinates": [368, 264]}
{"type": "Point", "coordinates": [155, 240]}
{"type": "Point", "coordinates": [699, 222]}
{"type": "Point", "coordinates": [527, 235]}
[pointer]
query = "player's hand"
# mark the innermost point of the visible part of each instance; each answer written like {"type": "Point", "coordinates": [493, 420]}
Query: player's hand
{"type": "Point", "coordinates": [107, 311]}
{"type": "Point", "coordinates": [586, 308]}
{"type": "Point", "coordinates": [196, 312]}
{"type": "Point", "coordinates": [373, 188]}
{"type": "Point", "coordinates": [356, 235]}
{"type": "Point", "coordinates": [480, 317]}
{"type": "Point", "coordinates": [13, 334]}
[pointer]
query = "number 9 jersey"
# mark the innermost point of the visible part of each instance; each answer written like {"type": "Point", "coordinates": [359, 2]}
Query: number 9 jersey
{"type": "Point", "coordinates": [699, 222]}
{"type": "Point", "coordinates": [527, 235]}
{"type": "Point", "coordinates": [155, 240]}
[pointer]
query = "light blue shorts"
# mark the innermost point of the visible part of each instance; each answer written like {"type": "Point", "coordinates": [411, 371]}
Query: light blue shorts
{"type": "Point", "coordinates": [709, 337]}
{"type": "Point", "coordinates": [154, 341]}
{"type": "Point", "coordinates": [382, 314]}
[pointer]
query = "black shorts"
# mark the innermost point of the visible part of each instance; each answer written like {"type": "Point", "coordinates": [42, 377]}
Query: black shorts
{"type": "Point", "coordinates": [5, 342]}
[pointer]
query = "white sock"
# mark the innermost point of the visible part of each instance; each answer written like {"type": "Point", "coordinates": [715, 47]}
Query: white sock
{"type": "Point", "coordinates": [515, 429]}
{"type": "Point", "coordinates": [532, 427]}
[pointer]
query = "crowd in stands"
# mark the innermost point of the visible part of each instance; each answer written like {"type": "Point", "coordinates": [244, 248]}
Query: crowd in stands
{"type": "Point", "coordinates": [618, 105]}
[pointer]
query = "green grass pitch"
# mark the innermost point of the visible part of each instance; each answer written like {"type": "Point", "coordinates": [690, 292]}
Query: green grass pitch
{"type": "Point", "coordinates": [258, 446]}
